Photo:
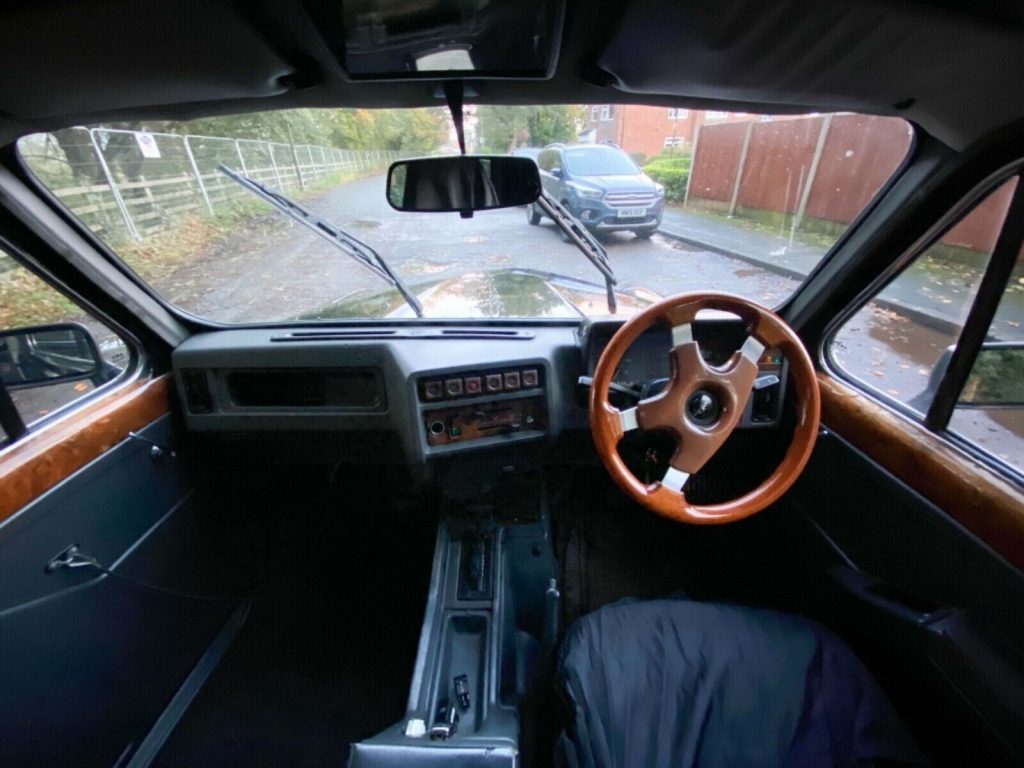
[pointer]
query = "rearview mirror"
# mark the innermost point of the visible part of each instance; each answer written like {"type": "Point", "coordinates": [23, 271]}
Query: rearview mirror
{"type": "Point", "coordinates": [997, 377]}
{"type": "Point", "coordinates": [48, 354]}
{"type": "Point", "coordinates": [462, 183]}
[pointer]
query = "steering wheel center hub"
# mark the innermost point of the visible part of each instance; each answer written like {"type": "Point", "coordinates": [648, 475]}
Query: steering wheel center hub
{"type": "Point", "coordinates": [703, 408]}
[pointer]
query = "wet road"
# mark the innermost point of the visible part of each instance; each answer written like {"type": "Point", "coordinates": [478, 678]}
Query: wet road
{"type": "Point", "coordinates": [279, 270]}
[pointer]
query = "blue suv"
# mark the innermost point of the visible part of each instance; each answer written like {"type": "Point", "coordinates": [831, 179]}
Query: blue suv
{"type": "Point", "coordinates": [602, 187]}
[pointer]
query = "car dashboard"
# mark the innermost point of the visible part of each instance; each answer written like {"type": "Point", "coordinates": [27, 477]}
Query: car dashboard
{"type": "Point", "coordinates": [439, 392]}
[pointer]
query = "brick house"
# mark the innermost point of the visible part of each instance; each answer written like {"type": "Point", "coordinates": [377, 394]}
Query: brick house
{"type": "Point", "coordinates": [649, 130]}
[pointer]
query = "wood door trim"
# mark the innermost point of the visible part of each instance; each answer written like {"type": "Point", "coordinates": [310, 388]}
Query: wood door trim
{"type": "Point", "coordinates": [43, 458]}
{"type": "Point", "coordinates": [980, 499]}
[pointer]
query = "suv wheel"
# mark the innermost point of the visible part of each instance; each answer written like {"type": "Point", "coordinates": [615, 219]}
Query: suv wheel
{"type": "Point", "coordinates": [532, 214]}
{"type": "Point", "coordinates": [645, 234]}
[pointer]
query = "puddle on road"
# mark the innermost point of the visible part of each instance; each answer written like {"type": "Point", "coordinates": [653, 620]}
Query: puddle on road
{"type": "Point", "coordinates": [891, 351]}
{"type": "Point", "coordinates": [413, 267]}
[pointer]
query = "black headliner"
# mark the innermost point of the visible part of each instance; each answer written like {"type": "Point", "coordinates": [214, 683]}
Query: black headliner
{"type": "Point", "coordinates": [953, 66]}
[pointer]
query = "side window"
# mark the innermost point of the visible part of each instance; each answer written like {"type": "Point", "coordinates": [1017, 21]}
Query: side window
{"type": "Point", "coordinates": [545, 161]}
{"type": "Point", "coordinates": [899, 343]}
{"type": "Point", "coordinates": [989, 413]}
{"type": "Point", "coordinates": [52, 352]}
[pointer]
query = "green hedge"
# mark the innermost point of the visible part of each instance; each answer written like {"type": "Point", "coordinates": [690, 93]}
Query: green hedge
{"type": "Point", "coordinates": [672, 171]}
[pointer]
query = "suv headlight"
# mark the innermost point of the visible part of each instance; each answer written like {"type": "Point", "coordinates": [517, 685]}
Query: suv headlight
{"type": "Point", "coordinates": [659, 190]}
{"type": "Point", "coordinates": [583, 190]}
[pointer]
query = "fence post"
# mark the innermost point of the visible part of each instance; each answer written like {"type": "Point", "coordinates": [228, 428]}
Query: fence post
{"type": "Point", "coordinates": [241, 160]}
{"type": "Point", "coordinates": [739, 169]}
{"type": "Point", "coordinates": [295, 159]}
{"type": "Point", "coordinates": [273, 163]}
{"type": "Point", "coordinates": [199, 176]}
{"type": "Point", "coordinates": [118, 200]}
{"type": "Point", "coordinates": [826, 123]}
{"type": "Point", "coordinates": [693, 165]}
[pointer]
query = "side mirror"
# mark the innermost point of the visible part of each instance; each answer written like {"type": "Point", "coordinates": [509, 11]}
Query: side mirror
{"type": "Point", "coordinates": [48, 354]}
{"type": "Point", "coordinates": [556, 172]}
{"type": "Point", "coordinates": [997, 378]}
{"type": "Point", "coordinates": [462, 183]}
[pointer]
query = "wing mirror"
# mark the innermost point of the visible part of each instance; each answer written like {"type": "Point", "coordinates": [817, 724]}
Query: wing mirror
{"type": "Point", "coordinates": [462, 183]}
{"type": "Point", "coordinates": [556, 172]}
{"type": "Point", "coordinates": [49, 354]}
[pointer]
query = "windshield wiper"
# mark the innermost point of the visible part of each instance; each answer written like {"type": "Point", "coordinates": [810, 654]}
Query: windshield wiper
{"type": "Point", "coordinates": [338, 237]}
{"type": "Point", "coordinates": [584, 240]}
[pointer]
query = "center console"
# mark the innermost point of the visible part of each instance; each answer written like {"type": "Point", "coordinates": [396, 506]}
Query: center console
{"type": "Point", "coordinates": [491, 618]}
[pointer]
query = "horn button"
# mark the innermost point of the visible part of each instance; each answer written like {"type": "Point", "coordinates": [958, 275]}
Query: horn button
{"type": "Point", "coordinates": [703, 408]}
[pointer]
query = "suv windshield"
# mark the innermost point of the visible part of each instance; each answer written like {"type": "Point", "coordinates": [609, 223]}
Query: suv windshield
{"type": "Point", "coordinates": [680, 199]}
{"type": "Point", "coordinates": [599, 161]}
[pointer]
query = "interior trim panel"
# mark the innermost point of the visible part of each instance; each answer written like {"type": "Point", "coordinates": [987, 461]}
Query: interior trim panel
{"type": "Point", "coordinates": [44, 458]}
{"type": "Point", "coordinates": [986, 504]}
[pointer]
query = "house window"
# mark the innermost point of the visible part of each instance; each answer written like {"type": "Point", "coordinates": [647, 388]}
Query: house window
{"type": "Point", "coordinates": [678, 114]}
{"type": "Point", "coordinates": [713, 115]}
{"type": "Point", "coordinates": [675, 141]}
{"type": "Point", "coordinates": [606, 111]}
{"type": "Point", "coordinates": [593, 113]}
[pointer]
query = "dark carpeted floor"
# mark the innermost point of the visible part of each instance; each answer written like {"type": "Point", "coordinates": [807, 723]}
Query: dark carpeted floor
{"type": "Point", "coordinates": [326, 655]}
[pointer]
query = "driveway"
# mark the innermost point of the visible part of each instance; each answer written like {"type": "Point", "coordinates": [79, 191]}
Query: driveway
{"type": "Point", "coordinates": [278, 270]}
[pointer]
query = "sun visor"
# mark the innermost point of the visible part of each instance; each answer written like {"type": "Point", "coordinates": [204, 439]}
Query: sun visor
{"type": "Point", "coordinates": [853, 55]}
{"type": "Point", "coordinates": [387, 40]}
{"type": "Point", "coordinates": [89, 57]}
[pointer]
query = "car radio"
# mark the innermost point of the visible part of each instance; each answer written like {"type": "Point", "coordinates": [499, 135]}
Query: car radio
{"type": "Point", "coordinates": [477, 420]}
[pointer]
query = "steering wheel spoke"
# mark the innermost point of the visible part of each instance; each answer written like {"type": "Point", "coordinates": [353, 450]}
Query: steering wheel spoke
{"type": "Point", "coordinates": [675, 479]}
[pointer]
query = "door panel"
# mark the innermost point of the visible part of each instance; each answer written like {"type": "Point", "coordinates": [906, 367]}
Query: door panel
{"type": "Point", "coordinates": [984, 502]}
{"type": "Point", "coordinates": [88, 661]}
{"type": "Point", "coordinates": [925, 585]}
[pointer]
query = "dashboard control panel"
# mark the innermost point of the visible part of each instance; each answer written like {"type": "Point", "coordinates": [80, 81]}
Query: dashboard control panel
{"type": "Point", "coordinates": [506, 403]}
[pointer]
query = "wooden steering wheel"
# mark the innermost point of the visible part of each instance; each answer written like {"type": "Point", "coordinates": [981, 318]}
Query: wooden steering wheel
{"type": "Point", "coordinates": [702, 405]}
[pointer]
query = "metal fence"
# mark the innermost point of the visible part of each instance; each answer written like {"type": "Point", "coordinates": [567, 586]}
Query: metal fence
{"type": "Point", "coordinates": [130, 184]}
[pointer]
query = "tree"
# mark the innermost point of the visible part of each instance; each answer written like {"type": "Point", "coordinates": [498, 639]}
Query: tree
{"type": "Point", "coordinates": [550, 124]}
{"type": "Point", "coordinates": [504, 128]}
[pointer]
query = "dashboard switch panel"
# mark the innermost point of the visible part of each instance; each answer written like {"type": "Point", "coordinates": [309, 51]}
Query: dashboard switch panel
{"type": "Point", "coordinates": [467, 384]}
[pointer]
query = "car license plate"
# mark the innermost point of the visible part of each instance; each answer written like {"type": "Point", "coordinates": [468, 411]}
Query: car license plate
{"type": "Point", "coordinates": [632, 213]}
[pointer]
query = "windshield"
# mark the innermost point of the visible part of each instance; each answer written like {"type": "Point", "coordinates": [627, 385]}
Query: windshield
{"type": "Point", "coordinates": [743, 203]}
{"type": "Point", "coordinates": [595, 161]}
